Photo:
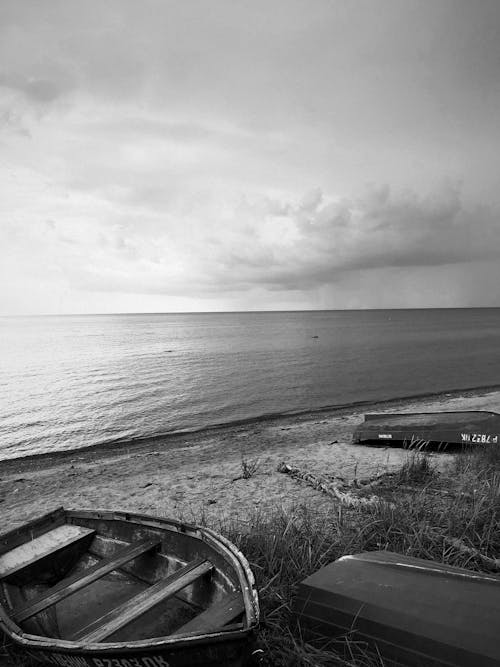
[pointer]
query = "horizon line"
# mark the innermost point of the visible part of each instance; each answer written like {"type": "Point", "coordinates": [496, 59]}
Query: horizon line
{"type": "Point", "coordinates": [228, 312]}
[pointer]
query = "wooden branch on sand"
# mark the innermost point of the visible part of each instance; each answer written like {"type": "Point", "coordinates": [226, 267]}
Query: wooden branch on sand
{"type": "Point", "coordinates": [440, 492]}
{"type": "Point", "coordinates": [372, 482]}
{"type": "Point", "coordinates": [492, 564]}
{"type": "Point", "coordinates": [327, 487]}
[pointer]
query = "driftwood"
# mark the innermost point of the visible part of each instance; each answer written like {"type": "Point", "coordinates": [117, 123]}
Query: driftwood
{"type": "Point", "coordinates": [453, 494]}
{"type": "Point", "coordinates": [492, 564]}
{"type": "Point", "coordinates": [327, 487]}
{"type": "Point", "coordinates": [440, 492]}
{"type": "Point", "coordinates": [372, 482]}
{"type": "Point", "coordinates": [377, 480]}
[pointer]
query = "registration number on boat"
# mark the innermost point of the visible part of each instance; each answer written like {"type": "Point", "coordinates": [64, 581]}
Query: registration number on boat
{"type": "Point", "coordinates": [80, 661]}
{"type": "Point", "coordinates": [479, 437]}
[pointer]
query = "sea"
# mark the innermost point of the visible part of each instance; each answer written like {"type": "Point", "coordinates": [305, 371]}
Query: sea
{"type": "Point", "coordinates": [68, 382]}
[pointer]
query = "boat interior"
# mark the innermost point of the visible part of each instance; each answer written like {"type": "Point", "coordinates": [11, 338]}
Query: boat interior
{"type": "Point", "coordinates": [93, 577]}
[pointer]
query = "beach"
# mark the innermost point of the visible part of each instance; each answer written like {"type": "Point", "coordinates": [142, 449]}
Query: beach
{"type": "Point", "coordinates": [197, 476]}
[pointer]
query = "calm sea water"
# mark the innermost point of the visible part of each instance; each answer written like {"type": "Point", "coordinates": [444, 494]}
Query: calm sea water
{"type": "Point", "coordinates": [74, 381]}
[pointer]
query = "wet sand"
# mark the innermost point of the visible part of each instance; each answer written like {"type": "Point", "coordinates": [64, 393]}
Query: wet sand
{"type": "Point", "coordinates": [190, 476]}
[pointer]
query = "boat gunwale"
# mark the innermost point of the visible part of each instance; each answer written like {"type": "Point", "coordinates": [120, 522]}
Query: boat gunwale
{"type": "Point", "coordinates": [369, 416]}
{"type": "Point", "coordinates": [172, 641]}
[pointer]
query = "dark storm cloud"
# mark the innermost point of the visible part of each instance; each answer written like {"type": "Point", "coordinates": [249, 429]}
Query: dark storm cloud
{"type": "Point", "coordinates": [41, 91]}
{"type": "Point", "coordinates": [375, 230]}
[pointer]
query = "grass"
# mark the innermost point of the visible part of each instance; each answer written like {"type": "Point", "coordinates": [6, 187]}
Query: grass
{"type": "Point", "coordinates": [452, 517]}
{"type": "Point", "coordinates": [417, 469]}
{"type": "Point", "coordinates": [248, 468]}
{"type": "Point", "coordinates": [428, 515]}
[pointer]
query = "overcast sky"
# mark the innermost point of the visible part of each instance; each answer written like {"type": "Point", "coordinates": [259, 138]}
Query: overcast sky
{"type": "Point", "coordinates": [275, 154]}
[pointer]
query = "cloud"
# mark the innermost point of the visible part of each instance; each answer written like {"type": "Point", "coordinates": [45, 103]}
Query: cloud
{"type": "Point", "coordinates": [318, 239]}
{"type": "Point", "coordinates": [38, 90]}
{"type": "Point", "coordinates": [233, 247]}
{"type": "Point", "coordinates": [168, 148]}
{"type": "Point", "coordinates": [26, 99]}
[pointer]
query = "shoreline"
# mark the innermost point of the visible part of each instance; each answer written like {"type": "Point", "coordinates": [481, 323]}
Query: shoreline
{"type": "Point", "coordinates": [104, 448]}
{"type": "Point", "coordinates": [197, 478]}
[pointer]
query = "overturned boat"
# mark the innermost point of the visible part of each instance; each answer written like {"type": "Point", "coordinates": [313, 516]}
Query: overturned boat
{"type": "Point", "coordinates": [112, 589]}
{"type": "Point", "coordinates": [410, 611]}
{"type": "Point", "coordinates": [443, 428]}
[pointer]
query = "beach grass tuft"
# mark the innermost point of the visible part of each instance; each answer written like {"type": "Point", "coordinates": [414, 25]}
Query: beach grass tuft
{"type": "Point", "coordinates": [249, 467]}
{"type": "Point", "coordinates": [417, 469]}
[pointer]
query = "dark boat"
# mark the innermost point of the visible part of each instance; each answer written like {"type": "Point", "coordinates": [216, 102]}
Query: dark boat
{"type": "Point", "coordinates": [112, 589]}
{"type": "Point", "coordinates": [472, 427]}
{"type": "Point", "coordinates": [410, 611]}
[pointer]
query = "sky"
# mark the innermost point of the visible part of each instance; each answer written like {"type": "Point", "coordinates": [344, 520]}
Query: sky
{"type": "Point", "coordinates": [205, 155]}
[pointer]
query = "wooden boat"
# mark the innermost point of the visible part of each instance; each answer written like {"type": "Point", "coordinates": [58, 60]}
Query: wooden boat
{"type": "Point", "coordinates": [472, 427]}
{"type": "Point", "coordinates": [410, 611]}
{"type": "Point", "coordinates": [112, 589]}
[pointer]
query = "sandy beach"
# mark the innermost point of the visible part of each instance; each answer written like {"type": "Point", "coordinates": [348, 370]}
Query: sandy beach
{"type": "Point", "coordinates": [194, 475]}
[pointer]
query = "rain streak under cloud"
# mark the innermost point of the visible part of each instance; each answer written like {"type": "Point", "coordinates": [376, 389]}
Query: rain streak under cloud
{"type": "Point", "coordinates": [229, 155]}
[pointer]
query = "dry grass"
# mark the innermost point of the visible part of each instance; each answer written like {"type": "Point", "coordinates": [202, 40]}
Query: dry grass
{"type": "Point", "coordinates": [418, 470]}
{"type": "Point", "coordinates": [248, 468]}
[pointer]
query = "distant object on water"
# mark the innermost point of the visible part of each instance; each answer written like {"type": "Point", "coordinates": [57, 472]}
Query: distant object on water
{"type": "Point", "coordinates": [472, 427]}
{"type": "Point", "coordinates": [92, 588]}
{"type": "Point", "coordinates": [412, 611]}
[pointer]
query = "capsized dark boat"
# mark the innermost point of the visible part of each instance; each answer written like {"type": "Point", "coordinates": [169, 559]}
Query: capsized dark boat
{"type": "Point", "coordinates": [112, 589]}
{"type": "Point", "coordinates": [411, 611]}
{"type": "Point", "coordinates": [472, 427]}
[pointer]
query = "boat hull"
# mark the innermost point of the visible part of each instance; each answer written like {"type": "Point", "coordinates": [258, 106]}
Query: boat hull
{"type": "Point", "coordinates": [446, 428]}
{"type": "Point", "coordinates": [226, 653]}
{"type": "Point", "coordinates": [411, 611]}
{"type": "Point", "coordinates": [150, 555]}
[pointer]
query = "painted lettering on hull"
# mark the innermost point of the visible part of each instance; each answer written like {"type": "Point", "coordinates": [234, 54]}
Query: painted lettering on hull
{"type": "Point", "coordinates": [213, 655]}
{"type": "Point", "coordinates": [480, 438]}
{"type": "Point", "coordinates": [385, 436]}
{"type": "Point", "coordinates": [149, 661]}
{"type": "Point", "coordinates": [80, 661]}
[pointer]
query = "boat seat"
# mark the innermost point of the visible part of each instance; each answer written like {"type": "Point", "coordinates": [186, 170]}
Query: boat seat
{"type": "Point", "coordinates": [70, 585]}
{"type": "Point", "coordinates": [48, 544]}
{"type": "Point", "coordinates": [215, 617]}
{"type": "Point", "coordinates": [127, 612]}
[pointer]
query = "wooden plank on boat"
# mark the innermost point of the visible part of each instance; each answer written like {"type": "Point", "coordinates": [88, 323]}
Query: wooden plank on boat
{"type": "Point", "coordinates": [71, 585]}
{"type": "Point", "coordinates": [31, 529]}
{"type": "Point", "coordinates": [138, 605]}
{"type": "Point", "coordinates": [47, 544]}
{"type": "Point", "coordinates": [216, 616]}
